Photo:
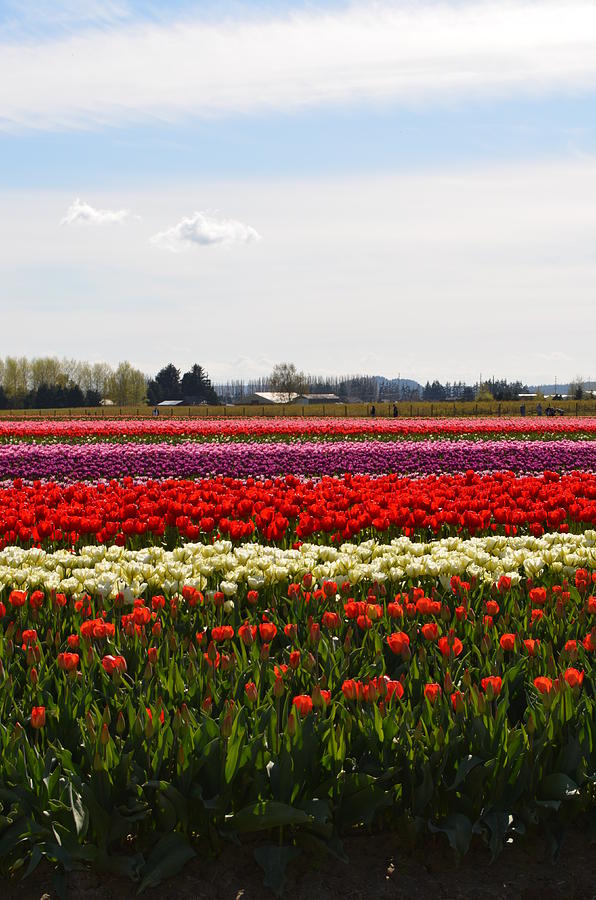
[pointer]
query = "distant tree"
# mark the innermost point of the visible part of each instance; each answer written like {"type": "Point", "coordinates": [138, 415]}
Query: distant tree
{"type": "Point", "coordinates": [45, 397]}
{"type": "Point", "coordinates": [92, 397]}
{"type": "Point", "coordinates": [4, 404]}
{"type": "Point", "coordinates": [73, 396]}
{"type": "Point", "coordinates": [196, 386]}
{"type": "Point", "coordinates": [467, 393]}
{"type": "Point", "coordinates": [15, 379]}
{"type": "Point", "coordinates": [127, 386]}
{"type": "Point", "coordinates": [576, 388]}
{"type": "Point", "coordinates": [165, 385]}
{"type": "Point", "coordinates": [434, 391]}
{"type": "Point", "coordinates": [286, 380]}
{"type": "Point", "coordinates": [483, 392]}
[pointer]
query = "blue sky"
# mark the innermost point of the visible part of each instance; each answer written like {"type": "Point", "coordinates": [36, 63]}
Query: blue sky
{"type": "Point", "coordinates": [298, 181]}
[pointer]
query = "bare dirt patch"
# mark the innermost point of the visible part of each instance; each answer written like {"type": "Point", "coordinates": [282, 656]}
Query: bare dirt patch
{"type": "Point", "coordinates": [378, 867]}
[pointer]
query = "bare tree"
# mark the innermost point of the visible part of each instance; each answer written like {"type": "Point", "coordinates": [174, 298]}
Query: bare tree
{"type": "Point", "coordinates": [286, 381]}
{"type": "Point", "coordinates": [576, 388]}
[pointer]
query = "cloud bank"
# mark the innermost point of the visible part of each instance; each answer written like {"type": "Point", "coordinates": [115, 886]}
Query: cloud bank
{"type": "Point", "coordinates": [203, 230]}
{"type": "Point", "coordinates": [80, 212]}
{"type": "Point", "coordinates": [407, 52]}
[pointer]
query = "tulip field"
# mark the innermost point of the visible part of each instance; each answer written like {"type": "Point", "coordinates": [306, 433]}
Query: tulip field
{"type": "Point", "coordinates": [289, 631]}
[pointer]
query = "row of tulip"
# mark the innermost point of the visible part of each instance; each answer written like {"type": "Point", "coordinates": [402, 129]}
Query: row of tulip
{"type": "Point", "coordinates": [288, 509]}
{"type": "Point", "coordinates": [300, 709]}
{"type": "Point", "coordinates": [191, 459]}
{"type": "Point", "coordinates": [303, 427]}
{"type": "Point", "coordinates": [223, 567]}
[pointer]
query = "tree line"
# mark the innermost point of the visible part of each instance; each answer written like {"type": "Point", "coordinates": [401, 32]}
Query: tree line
{"type": "Point", "coordinates": [52, 383]}
{"type": "Point", "coordinates": [49, 383]}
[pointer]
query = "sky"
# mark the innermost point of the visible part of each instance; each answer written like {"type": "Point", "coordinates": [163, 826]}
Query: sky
{"type": "Point", "coordinates": [401, 187]}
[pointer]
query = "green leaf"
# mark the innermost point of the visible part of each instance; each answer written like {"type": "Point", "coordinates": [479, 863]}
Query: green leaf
{"type": "Point", "coordinates": [273, 861]}
{"type": "Point", "coordinates": [128, 866]}
{"type": "Point", "coordinates": [499, 824]}
{"type": "Point", "coordinates": [464, 769]}
{"type": "Point", "coordinates": [235, 742]}
{"type": "Point", "coordinates": [168, 857]}
{"type": "Point", "coordinates": [79, 813]}
{"type": "Point", "coordinates": [458, 829]}
{"type": "Point", "coordinates": [558, 786]}
{"type": "Point", "coordinates": [36, 858]}
{"type": "Point", "coordinates": [362, 806]}
{"type": "Point", "coordinates": [266, 814]}
{"type": "Point", "coordinates": [423, 793]}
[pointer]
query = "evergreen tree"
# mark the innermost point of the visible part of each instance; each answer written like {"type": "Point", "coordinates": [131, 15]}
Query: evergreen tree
{"type": "Point", "coordinates": [165, 385]}
{"type": "Point", "coordinates": [196, 386]}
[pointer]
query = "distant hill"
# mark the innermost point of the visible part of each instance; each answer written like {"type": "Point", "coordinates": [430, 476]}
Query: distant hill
{"type": "Point", "coordinates": [395, 383]}
{"type": "Point", "coordinates": [559, 388]}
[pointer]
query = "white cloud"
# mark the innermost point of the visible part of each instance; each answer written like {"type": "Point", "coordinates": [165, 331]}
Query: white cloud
{"type": "Point", "coordinates": [204, 230]}
{"type": "Point", "coordinates": [81, 212]}
{"type": "Point", "coordinates": [406, 52]}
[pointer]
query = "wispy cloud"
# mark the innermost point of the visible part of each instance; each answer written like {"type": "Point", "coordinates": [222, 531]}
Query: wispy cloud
{"type": "Point", "coordinates": [204, 230]}
{"type": "Point", "coordinates": [407, 52]}
{"type": "Point", "coordinates": [81, 212]}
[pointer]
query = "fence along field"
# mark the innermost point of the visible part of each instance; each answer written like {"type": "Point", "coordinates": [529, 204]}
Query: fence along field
{"type": "Point", "coordinates": [417, 409]}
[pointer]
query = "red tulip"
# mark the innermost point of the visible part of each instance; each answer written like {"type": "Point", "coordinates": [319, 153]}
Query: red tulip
{"type": "Point", "coordinates": [38, 716]}
{"type": "Point", "coordinates": [303, 704]}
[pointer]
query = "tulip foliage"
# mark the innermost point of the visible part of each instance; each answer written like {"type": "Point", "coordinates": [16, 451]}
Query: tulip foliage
{"type": "Point", "coordinates": [409, 654]}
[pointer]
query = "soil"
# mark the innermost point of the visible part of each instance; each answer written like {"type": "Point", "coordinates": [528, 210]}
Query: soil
{"type": "Point", "coordinates": [378, 867]}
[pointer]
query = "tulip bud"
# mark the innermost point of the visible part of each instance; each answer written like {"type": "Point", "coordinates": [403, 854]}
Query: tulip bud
{"type": "Point", "coordinates": [308, 662]}
{"type": "Point", "coordinates": [226, 725]}
{"type": "Point", "coordinates": [278, 687]}
{"type": "Point", "coordinates": [251, 693]}
{"type": "Point", "coordinates": [315, 632]}
{"type": "Point", "coordinates": [120, 723]}
{"type": "Point", "coordinates": [531, 723]}
{"type": "Point", "coordinates": [447, 683]}
{"type": "Point", "coordinates": [137, 728]}
{"type": "Point", "coordinates": [104, 737]}
{"type": "Point", "coordinates": [291, 725]}
{"type": "Point", "coordinates": [33, 676]}
{"type": "Point", "coordinates": [149, 727]}
{"type": "Point", "coordinates": [180, 755]}
{"type": "Point", "coordinates": [90, 724]}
